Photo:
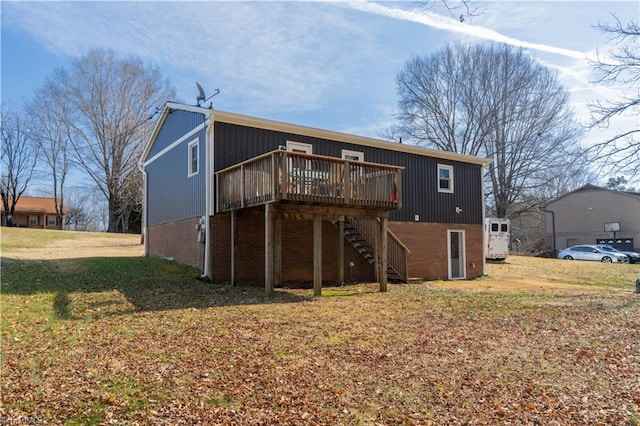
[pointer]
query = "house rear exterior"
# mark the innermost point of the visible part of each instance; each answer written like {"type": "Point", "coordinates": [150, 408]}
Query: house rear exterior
{"type": "Point", "coordinates": [223, 189]}
{"type": "Point", "coordinates": [592, 213]}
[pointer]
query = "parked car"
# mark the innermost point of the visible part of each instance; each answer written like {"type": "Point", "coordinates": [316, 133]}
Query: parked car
{"type": "Point", "coordinates": [633, 256]}
{"type": "Point", "coordinates": [592, 252]}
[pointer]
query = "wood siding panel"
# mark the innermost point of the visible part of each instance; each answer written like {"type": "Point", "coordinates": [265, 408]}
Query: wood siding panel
{"type": "Point", "coordinates": [176, 125]}
{"type": "Point", "coordinates": [234, 144]}
{"type": "Point", "coordinates": [171, 194]}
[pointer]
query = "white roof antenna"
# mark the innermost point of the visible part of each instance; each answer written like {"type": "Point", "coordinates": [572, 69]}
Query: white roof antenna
{"type": "Point", "coordinates": [203, 98]}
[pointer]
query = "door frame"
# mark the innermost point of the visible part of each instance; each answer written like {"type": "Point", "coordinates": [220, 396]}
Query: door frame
{"type": "Point", "coordinates": [462, 251]}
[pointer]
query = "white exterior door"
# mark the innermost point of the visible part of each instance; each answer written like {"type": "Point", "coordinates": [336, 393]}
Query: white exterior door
{"type": "Point", "coordinates": [456, 253]}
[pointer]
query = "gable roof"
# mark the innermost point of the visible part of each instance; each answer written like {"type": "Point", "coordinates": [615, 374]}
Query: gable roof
{"type": "Point", "coordinates": [591, 187]}
{"type": "Point", "coordinates": [261, 123]}
{"type": "Point", "coordinates": [34, 205]}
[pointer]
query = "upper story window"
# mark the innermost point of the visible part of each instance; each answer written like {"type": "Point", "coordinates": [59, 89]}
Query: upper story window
{"type": "Point", "coordinates": [303, 148]}
{"type": "Point", "coordinates": [445, 178]}
{"type": "Point", "coordinates": [352, 155]}
{"type": "Point", "coordinates": [194, 158]}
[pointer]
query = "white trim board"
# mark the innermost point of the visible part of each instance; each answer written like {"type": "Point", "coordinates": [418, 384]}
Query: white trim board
{"type": "Point", "coordinates": [176, 143]}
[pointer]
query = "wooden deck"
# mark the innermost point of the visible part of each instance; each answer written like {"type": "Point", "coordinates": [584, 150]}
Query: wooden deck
{"type": "Point", "coordinates": [283, 176]}
{"type": "Point", "coordinates": [317, 188]}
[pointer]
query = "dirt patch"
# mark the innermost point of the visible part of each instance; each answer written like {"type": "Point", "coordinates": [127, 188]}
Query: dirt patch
{"type": "Point", "coordinates": [84, 246]}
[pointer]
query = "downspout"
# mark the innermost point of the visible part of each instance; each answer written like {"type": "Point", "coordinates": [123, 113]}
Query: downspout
{"type": "Point", "coordinates": [484, 231]}
{"type": "Point", "coordinates": [553, 230]}
{"type": "Point", "coordinates": [208, 146]}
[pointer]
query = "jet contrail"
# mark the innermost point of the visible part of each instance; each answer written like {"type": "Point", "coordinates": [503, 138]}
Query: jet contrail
{"type": "Point", "coordinates": [434, 20]}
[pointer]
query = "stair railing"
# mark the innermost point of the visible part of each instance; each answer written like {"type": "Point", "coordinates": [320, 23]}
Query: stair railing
{"type": "Point", "coordinates": [397, 251]}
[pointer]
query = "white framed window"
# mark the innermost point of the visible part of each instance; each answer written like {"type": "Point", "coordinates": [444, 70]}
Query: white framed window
{"type": "Point", "coordinates": [305, 148]}
{"type": "Point", "coordinates": [194, 158]}
{"type": "Point", "coordinates": [33, 220]}
{"type": "Point", "coordinates": [51, 220]}
{"type": "Point", "coordinates": [352, 155]}
{"type": "Point", "coordinates": [445, 178]}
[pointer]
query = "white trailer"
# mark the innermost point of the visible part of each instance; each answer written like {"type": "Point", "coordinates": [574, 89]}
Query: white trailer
{"type": "Point", "coordinates": [497, 234]}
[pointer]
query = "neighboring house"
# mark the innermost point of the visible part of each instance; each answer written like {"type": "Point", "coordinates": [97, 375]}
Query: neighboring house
{"type": "Point", "coordinates": [592, 213]}
{"type": "Point", "coordinates": [34, 212]}
{"type": "Point", "coordinates": [248, 199]}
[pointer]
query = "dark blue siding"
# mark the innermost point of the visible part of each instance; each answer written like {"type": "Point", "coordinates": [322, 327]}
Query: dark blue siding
{"type": "Point", "coordinates": [234, 144]}
{"type": "Point", "coordinates": [171, 194]}
{"type": "Point", "coordinates": [177, 124]}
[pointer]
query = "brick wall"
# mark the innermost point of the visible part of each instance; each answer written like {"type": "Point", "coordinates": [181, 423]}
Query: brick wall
{"type": "Point", "coordinates": [297, 250]}
{"type": "Point", "coordinates": [177, 240]}
{"type": "Point", "coordinates": [427, 242]}
{"type": "Point", "coordinates": [428, 245]}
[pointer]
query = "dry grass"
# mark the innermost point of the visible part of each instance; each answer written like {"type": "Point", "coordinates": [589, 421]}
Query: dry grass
{"type": "Point", "coordinates": [20, 243]}
{"type": "Point", "coordinates": [134, 340]}
{"type": "Point", "coordinates": [535, 274]}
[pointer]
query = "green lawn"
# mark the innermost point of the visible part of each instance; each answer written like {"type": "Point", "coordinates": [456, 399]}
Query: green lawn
{"type": "Point", "coordinates": [144, 341]}
{"type": "Point", "coordinates": [16, 238]}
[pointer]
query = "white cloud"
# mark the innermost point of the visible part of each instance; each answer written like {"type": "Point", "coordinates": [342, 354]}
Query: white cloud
{"type": "Point", "coordinates": [277, 55]}
{"type": "Point", "coordinates": [440, 22]}
{"type": "Point", "coordinates": [573, 66]}
{"type": "Point", "coordinates": [282, 59]}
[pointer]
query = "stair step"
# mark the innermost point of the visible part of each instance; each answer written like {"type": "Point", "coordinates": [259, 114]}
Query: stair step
{"type": "Point", "coordinates": [364, 247]}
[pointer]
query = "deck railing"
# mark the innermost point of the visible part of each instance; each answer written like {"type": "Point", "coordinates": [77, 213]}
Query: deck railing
{"type": "Point", "coordinates": [282, 175]}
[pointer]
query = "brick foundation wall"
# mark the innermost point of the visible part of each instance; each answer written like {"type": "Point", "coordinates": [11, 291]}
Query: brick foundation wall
{"type": "Point", "coordinates": [297, 250]}
{"type": "Point", "coordinates": [177, 240]}
{"type": "Point", "coordinates": [428, 245]}
{"type": "Point", "coordinates": [427, 242]}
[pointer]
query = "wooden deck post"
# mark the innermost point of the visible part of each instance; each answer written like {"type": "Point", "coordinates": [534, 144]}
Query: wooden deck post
{"type": "Point", "coordinates": [234, 248]}
{"type": "Point", "coordinates": [317, 254]}
{"type": "Point", "coordinates": [383, 254]}
{"type": "Point", "coordinates": [268, 249]}
{"type": "Point", "coordinates": [242, 194]}
{"type": "Point", "coordinates": [341, 250]}
{"type": "Point", "coordinates": [278, 250]}
{"type": "Point", "coordinates": [376, 250]}
{"type": "Point", "coordinates": [346, 179]}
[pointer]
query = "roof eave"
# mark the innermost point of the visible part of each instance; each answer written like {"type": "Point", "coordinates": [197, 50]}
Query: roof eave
{"type": "Point", "coordinates": [168, 107]}
{"type": "Point", "coordinates": [245, 120]}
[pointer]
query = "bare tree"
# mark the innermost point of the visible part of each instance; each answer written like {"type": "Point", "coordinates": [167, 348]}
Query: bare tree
{"type": "Point", "coordinates": [108, 105]}
{"type": "Point", "coordinates": [460, 9]}
{"type": "Point", "coordinates": [491, 100]}
{"type": "Point", "coordinates": [79, 209]}
{"type": "Point", "coordinates": [18, 157]}
{"type": "Point", "coordinates": [132, 199]}
{"type": "Point", "coordinates": [48, 128]}
{"type": "Point", "coordinates": [621, 67]}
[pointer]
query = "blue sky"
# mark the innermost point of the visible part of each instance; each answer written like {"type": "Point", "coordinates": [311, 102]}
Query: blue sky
{"type": "Point", "coordinates": [330, 65]}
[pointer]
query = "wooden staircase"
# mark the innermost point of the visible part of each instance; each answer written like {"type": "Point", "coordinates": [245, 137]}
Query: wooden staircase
{"type": "Point", "coordinates": [355, 235]}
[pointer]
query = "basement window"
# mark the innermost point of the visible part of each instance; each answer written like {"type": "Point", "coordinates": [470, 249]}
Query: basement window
{"type": "Point", "coordinates": [445, 178]}
{"type": "Point", "coordinates": [194, 158]}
